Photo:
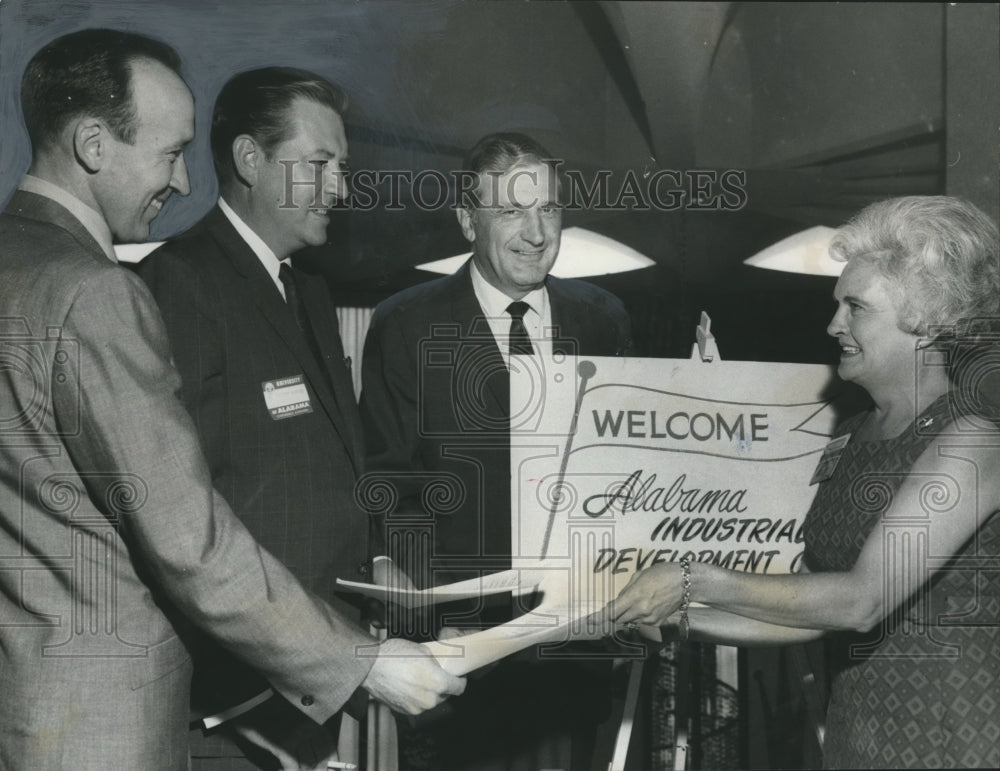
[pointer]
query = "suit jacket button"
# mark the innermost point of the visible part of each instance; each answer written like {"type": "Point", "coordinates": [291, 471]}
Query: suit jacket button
{"type": "Point", "coordinates": [308, 701]}
{"type": "Point", "coordinates": [363, 569]}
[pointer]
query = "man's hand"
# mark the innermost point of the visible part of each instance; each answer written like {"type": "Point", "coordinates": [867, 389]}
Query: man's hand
{"type": "Point", "coordinates": [451, 632]}
{"type": "Point", "coordinates": [408, 679]}
{"type": "Point", "coordinates": [385, 572]}
{"type": "Point", "coordinates": [650, 597]}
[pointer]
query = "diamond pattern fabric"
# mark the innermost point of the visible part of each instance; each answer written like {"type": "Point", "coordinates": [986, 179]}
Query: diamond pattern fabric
{"type": "Point", "coordinates": [921, 690]}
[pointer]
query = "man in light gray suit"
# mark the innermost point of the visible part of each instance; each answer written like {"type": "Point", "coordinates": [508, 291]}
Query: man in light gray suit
{"type": "Point", "coordinates": [112, 539]}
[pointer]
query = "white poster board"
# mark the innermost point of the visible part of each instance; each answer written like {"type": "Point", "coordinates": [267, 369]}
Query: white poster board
{"type": "Point", "coordinates": [620, 463]}
{"type": "Point", "coordinates": [638, 461]}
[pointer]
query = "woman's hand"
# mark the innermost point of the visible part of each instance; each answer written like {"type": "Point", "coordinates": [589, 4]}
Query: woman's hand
{"type": "Point", "coordinates": [651, 596]}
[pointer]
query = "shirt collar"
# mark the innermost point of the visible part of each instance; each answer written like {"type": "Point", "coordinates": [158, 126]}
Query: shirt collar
{"type": "Point", "coordinates": [90, 218]}
{"type": "Point", "coordinates": [494, 302]}
{"type": "Point", "coordinates": [264, 253]}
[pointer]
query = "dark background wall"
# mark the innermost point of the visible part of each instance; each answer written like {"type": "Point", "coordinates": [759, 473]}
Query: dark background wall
{"type": "Point", "coordinates": [824, 107]}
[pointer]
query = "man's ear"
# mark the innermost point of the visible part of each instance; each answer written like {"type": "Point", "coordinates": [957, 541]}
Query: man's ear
{"type": "Point", "coordinates": [465, 222]}
{"type": "Point", "coordinates": [247, 156]}
{"type": "Point", "coordinates": [90, 143]}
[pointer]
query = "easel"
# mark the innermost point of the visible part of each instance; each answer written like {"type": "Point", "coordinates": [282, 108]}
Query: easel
{"type": "Point", "coordinates": [704, 347]}
{"type": "Point", "coordinates": [705, 350]}
{"type": "Point", "coordinates": [382, 741]}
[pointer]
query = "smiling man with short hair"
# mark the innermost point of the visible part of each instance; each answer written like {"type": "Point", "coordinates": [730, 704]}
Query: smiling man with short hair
{"type": "Point", "coordinates": [431, 423]}
{"type": "Point", "coordinates": [257, 343]}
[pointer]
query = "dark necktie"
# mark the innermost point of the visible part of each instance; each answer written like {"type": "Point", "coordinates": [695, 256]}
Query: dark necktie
{"type": "Point", "coordinates": [294, 301]}
{"type": "Point", "coordinates": [287, 276]}
{"type": "Point", "coordinates": [520, 343]}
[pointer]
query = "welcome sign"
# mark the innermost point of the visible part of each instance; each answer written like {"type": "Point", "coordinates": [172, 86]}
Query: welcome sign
{"type": "Point", "coordinates": [619, 464]}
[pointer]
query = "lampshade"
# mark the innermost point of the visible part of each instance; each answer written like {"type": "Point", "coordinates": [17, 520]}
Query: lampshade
{"type": "Point", "coordinates": [805, 252]}
{"type": "Point", "coordinates": [581, 253]}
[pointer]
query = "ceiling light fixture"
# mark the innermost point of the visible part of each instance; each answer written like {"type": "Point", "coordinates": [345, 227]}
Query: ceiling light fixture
{"type": "Point", "coordinates": [581, 253]}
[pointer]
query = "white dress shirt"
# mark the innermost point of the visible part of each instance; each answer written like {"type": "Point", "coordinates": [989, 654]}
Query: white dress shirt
{"type": "Point", "coordinates": [264, 253]}
{"type": "Point", "coordinates": [537, 320]}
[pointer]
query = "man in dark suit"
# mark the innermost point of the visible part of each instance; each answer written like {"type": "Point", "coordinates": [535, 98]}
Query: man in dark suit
{"type": "Point", "coordinates": [435, 403]}
{"type": "Point", "coordinates": [257, 344]}
{"type": "Point", "coordinates": [110, 530]}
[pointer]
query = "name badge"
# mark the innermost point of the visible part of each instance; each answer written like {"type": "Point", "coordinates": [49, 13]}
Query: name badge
{"type": "Point", "coordinates": [831, 457]}
{"type": "Point", "coordinates": [286, 397]}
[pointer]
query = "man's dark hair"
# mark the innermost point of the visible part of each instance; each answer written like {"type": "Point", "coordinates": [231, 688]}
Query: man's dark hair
{"type": "Point", "coordinates": [257, 103]}
{"type": "Point", "coordinates": [502, 151]}
{"type": "Point", "coordinates": [499, 153]}
{"type": "Point", "coordinates": [87, 73]}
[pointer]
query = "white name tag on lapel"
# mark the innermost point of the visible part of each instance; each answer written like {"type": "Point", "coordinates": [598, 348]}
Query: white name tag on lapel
{"type": "Point", "coordinates": [286, 397]}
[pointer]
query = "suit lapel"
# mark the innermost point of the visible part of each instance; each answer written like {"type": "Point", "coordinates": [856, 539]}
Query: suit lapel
{"type": "Point", "coordinates": [564, 316]}
{"type": "Point", "coordinates": [259, 287]}
{"type": "Point", "coordinates": [467, 311]}
{"type": "Point", "coordinates": [38, 207]}
{"type": "Point", "coordinates": [591, 335]}
{"type": "Point", "coordinates": [326, 328]}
